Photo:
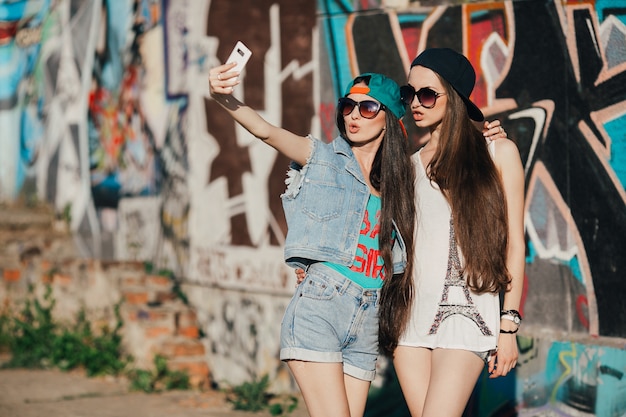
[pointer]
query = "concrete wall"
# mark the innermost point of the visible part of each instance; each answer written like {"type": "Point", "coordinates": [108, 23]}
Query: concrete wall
{"type": "Point", "coordinates": [106, 117]}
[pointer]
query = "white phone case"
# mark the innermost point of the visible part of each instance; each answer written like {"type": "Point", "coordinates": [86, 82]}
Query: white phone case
{"type": "Point", "coordinates": [240, 54]}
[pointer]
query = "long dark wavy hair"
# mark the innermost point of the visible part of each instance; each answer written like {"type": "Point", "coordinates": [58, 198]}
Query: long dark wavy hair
{"type": "Point", "coordinates": [393, 175]}
{"type": "Point", "coordinates": [465, 172]}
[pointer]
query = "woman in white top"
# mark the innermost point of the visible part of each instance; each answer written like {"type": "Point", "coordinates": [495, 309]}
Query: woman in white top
{"type": "Point", "coordinates": [469, 247]}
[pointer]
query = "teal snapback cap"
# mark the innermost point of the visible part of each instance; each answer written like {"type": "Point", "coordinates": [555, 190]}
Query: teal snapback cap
{"type": "Point", "coordinates": [383, 89]}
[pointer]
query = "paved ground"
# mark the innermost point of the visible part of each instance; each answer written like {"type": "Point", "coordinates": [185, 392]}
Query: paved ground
{"type": "Point", "coordinates": [52, 393]}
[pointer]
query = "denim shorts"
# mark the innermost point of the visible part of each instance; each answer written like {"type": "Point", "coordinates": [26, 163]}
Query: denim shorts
{"type": "Point", "coordinates": [332, 319]}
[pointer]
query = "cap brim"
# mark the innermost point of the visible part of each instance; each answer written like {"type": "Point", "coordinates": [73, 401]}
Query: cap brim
{"type": "Point", "coordinates": [473, 111]}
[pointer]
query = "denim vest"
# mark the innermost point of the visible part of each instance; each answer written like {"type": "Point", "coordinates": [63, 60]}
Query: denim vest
{"type": "Point", "coordinates": [324, 205]}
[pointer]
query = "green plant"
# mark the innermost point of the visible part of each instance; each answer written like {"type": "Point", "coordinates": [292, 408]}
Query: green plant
{"type": "Point", "coordinates": [254, 396]}
{"type": "Point", "coordinates": [251, 396]}
{"type": "Point", "coordinates": [33, 333]}
{"type": "Point", "coordinates": [5, 332]}
{"type": "Point", "coordinates": [176, 289]}
{"type": "Point", "coordinates": [161, 379]}
{"type": "Point", "coordinates": [67, 213]}
{"type": "Point", "coordinates": [67, 351]}
{"type": "Point", "coordinates": [99, 354]}
{"type": "Point", "coordinates": [283, 405]}
{"type": "Point", "coordinates": [36, 341]}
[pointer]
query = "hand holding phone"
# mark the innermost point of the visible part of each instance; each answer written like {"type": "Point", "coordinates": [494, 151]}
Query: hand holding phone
{"type": "Point", "coordinates": [240, 55]}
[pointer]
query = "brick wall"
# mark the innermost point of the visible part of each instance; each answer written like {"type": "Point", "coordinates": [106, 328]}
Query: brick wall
{"type": "Point", "coordinates": [36, 251]}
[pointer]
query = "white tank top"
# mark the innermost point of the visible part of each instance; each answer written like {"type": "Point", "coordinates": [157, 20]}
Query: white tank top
{"type": "Point", "coordinates": [446, 313]}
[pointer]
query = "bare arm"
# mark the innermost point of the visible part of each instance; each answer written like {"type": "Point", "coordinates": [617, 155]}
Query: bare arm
{"type": "Point", "coordinates": [509, 164]}
{"type": "Point", "coordinates": [221, 83]}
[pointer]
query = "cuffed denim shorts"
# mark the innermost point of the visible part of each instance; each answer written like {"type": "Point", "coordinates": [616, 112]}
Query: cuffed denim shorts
{"type": "Point", "coordinates": [332, 319]}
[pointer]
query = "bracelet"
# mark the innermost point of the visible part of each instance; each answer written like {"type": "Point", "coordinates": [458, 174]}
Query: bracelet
{"type": "Point", "coordinates": [509, 331]}
{"type": "Point", "coordinates": [511, 312]}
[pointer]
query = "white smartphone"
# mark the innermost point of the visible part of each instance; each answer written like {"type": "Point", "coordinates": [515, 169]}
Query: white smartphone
{"type": "Point", "coordinates": [240, 54]}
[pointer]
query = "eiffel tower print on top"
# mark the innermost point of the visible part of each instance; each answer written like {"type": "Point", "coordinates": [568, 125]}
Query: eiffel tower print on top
{"type": "Point", "coordinates": [455, 278]}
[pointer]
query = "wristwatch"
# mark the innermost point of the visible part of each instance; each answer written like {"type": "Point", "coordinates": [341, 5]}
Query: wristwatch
{"type": "Point", "coordinates": [512, 315]}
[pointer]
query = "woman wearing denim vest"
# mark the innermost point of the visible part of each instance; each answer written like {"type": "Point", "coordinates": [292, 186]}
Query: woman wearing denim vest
{"type": "Point", "coordinates": [469, 247]}
{"type": "Point", "coordinates": [349, 207]}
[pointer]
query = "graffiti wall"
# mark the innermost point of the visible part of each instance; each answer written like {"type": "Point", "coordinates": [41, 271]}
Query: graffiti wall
{"type": "Point", "coordinates": [554, 73]}
{"type": "Point", "coordinates": [105, 115]}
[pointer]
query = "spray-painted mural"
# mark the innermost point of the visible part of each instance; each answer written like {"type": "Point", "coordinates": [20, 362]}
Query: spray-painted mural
{"type": "Point", "coordinates": [555, 74]}
{"type": "Point", "coordinates": [105, 114]}
{"type": "Point", "coordinates": [23, 25]}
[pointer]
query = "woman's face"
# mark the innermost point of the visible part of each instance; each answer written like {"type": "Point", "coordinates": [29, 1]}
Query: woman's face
{"type": "Point", "coordinates": [422, 77]}
{"type": "Point", "coordinates": [361, 128]}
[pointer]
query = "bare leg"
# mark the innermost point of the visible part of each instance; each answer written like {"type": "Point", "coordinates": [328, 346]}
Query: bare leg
{"type": "Point", "coordinates": [453, 375]}
{"type": "Point", "coordinates": [436, 382]}
{"type": "Point", "coordinates": [412, 366]}
{"type": "Point", "coordinates": [356, 390]}
{"type": "Point", "coordinates": [327, 391]}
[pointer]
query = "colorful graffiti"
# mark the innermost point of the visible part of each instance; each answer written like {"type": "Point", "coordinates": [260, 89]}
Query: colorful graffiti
{"type": "Point", "coordinates": [557, 379]}
{"type": "Point", "coordinates": [105, 114]}
{"type": "Point", "coordinates": [561, 92]}
{"type": "Point", "coordinates": [560, 114]}
{"type": "Point", "coordinates": [23, 27]}
{"type": "Point", "coordinates": [244, 177]}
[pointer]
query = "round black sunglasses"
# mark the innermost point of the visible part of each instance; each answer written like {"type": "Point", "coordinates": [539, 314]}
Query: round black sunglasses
{"type": "Point", "coordinates": [426, 96]}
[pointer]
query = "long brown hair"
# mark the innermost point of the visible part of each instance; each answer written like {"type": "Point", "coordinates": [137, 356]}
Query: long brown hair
{"type": "Point", "coordinates": [464, 170]}
{"type": "Point", "coordinates": [393, 175]}
{"type": "Point", "coordinates": [398, 197]}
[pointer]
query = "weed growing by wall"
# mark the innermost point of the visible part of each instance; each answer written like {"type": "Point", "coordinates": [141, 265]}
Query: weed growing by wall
{"type": "Point", "coordinates": [254, 396]}
{"type": "Point", "coordinates": [160, 379]}
{"type": "Point", "coordinates": [35, 340]}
